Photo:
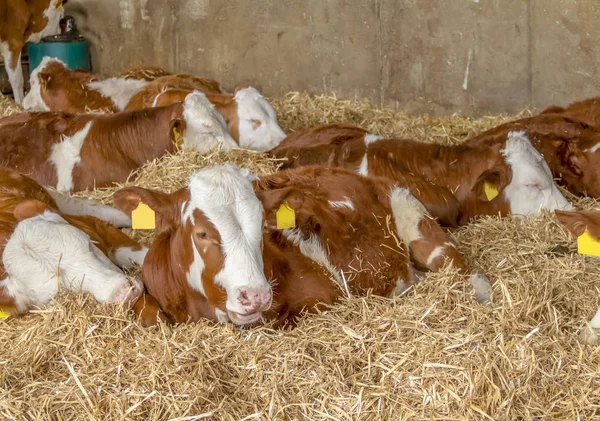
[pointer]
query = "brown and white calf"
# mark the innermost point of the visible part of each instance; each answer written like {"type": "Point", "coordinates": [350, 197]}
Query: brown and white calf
{"type": "Point", "coordinates": [438, 175]}
{"type": "Point", "coordinates": [75, 152]}
{"type": "Point", "coordinates": [49, 244]}
{"type": "Point", "coordinates": [22, 21]}
{"type": "Point", "coordinates": [577, 222]}
{"type": "Point", "coordinates": [54, 87]}
{"type": "Point", "coordinates": [571, 148]}
{"type": "Point", "coordinates": [218, 253]}
{"type": "Point", "coordinates": [586, 111]}
{"type": "Point", "coordinates": [251, 119]}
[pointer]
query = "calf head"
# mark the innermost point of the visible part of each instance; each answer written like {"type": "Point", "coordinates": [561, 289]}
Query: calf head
{"type": "Point", "coordinates": [258, 128]}
{"type": "Point", "coordinates": [524, 183]}
{"type": "Point", "coordinates": [202, 127]}
{"type": "Point", "coordinates": [53, 86]}
{"type": "Point", "coordinates": [213, 229]}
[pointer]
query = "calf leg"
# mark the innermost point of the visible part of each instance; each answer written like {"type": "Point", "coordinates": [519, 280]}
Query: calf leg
{"type": "Point", "coordinates": [149, 311]}
{"type": "Point", "coordinates": [12, 60]}
{"type": "Point", "coordinates": [428, 244]}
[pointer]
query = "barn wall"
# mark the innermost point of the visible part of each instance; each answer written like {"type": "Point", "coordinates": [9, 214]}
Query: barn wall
{"type": "Point", "coordinates": [434, 56]}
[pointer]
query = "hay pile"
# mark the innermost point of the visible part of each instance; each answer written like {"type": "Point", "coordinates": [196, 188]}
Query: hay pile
{"type": "Point", "coordinates": [432, 354]}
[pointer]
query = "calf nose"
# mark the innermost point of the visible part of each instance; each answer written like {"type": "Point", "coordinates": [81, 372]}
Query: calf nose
{"type": "Point", "coordinates": [255, 299]}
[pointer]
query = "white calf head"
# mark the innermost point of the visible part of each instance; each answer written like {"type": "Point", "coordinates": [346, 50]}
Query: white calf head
{"type": "Point", "coordinates": [532, 187]}
{"type": "Point", "coordinates": [258, 127]}
{"type": "Point", "coordinates": [204, 126]}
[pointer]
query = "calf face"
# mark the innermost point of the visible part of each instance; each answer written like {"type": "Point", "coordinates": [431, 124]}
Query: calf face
{"type": "Point", "coordinates": [258, 127]}
{"type": "Point", "coordinates": [531, 187]}
{"type": "Point", "coordinates": [49, 85]}
{"type": "Point", "coordinates": [203, 127]}
{"type": "Point", "coordinates": [213, 230]}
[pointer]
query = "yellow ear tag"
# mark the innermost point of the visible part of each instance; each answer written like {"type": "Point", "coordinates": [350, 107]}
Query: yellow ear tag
{"type": "Point", "coordinates": [586, 244]}
{"type": "Point", "coordinates": [490, 191]}
{"type": "Point", "coordinates": [3, 314]}
{"type": "Point", "coordinates": [178, 137]}
{"type": "Point", "coordinates": [143, 218]}
{"type": "Point", "coordinates": [58, 4]}
{"type": "Point", "coordinates": [286, 217]}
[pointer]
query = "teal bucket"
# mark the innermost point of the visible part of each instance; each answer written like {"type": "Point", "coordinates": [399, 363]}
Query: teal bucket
{"type": "Point", "coordinates": [75, 54]}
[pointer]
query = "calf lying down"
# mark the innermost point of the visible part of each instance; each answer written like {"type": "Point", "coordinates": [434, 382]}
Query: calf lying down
{"type": "Point", "coordinates": [455, 183]}
{"type": "Point", "coordinates": [49, 242]}
{"type": "Point", "coordinates": [221, 251]}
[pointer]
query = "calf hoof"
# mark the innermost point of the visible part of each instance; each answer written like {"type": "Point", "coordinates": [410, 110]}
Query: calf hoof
{"type": "Point", "coordinates": [128, 292]}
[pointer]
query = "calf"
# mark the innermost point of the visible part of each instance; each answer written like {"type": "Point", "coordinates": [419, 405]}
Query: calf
{"type": "Point", "coordinates": [22, 21]}
{"type": "Point", "coordinates": [571, 148]}
{"type": "Point", "coordinates": [250, 119]}
{"type": "Point", "coordinates": [43, 249]}
{"type": "Point", "coordinates": [587, 111]}
{"type": "Point", "coordinates": [577, 222]}
{"type": "Point", "coordinates": [218, 253]}
{"type": "Point", "coordinates": [54, 87]}
{"type": "Point", "coordinates": [442, 177]}
{"type": "Point", "coordinates": [75, 152]}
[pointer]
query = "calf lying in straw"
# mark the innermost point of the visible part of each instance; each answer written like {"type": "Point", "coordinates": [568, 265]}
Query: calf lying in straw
{"type": "Point", "coordinates": [455, 183]}
{"type": "Point", "coordinates": [585, 225]}
{"type": "Point", "coordinates": [50, 242]}
{"type": "Point", "coordinates": [227, 249]}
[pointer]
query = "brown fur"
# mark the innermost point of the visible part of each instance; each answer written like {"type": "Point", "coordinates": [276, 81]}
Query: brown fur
{"type": "Point", "coordinates": [147, 73]}
{"type": "Point", "coordinates": [587, 111]}
{"type": "Point", "coordinates": [116, 143]}
{"type": "Point", "coordinates": [578, 221]}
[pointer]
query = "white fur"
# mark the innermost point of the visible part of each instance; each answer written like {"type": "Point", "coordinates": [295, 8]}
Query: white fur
{"type": "Point", "coordinates": [221, 316]}
{"type": "Point", "coordinates": [33, 100]}
{"type": "Point", "coordinates": [342, 204]}
{"type": "Point", "coordinates": [363, 169]}
{"type": "Point", "coordinates": [45, 252]}
{"type": "Point", "coordinates": [65, 155]}
{"type": "Point", "coordinates": [251, 105]}
{"type": "Point", "coordinates": [127, 257]}
{"type": "Point", "coordinates": [407, 212]}
{"type": "Point", "coordinates": [15, 76]}
{"type": "Point", "coordinates": [314, 250]}
{"type": "Point", "coordinates": [54, 15]}
{"type": "Point", "coordinates": [593, 148]}
{"type": "Point", "coordinates": [224, 194]}
{"type": "Point", "coordinates": [118, 90]}
{"type": "Point", "coordinates": [481, 287]}
{"type": "Point", "coordinates": [532, 187]}
{"type": "Point", "coordinates": [437, 252]}
{"type": "Point", "coordinates": [205, 126]}
{"type": "Point", "coordinates": [595, 322]}
{"type": "Point", "coordinates": [194, 273]}
{"type": "Point", "coordinates": [79, 206]}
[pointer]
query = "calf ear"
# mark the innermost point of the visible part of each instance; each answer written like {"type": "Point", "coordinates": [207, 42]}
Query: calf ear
{"type": "Point", "coordinates": [29, 209]}
{"type": "Point", "coordinates": [273, 199]}
{"type": "Point", "coordinates": [574, 221]}
{"type": "Point", "coordinates": [570, 156]}
{"type": "Point", "coordinates": [44, 79]}
{"type": "Point", "coordinates": [238, 88]}
{"type": "Point", "coordinates": [495, 179]}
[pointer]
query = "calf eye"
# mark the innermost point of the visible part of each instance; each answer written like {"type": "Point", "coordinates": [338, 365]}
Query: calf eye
{"type": "Point", "coordinates": [201, 235]}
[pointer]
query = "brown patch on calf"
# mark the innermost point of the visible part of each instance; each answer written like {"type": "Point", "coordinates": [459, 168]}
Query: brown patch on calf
{"type": "Point", "coordinates": [578, 221]}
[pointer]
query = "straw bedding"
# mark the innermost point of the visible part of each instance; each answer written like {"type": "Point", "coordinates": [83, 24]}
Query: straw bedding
{"type": "Point", "coordinates": [431, 354]}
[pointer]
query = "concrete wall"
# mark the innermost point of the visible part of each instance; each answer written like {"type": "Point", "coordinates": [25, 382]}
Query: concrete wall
{"type": "Point", "coordinates": [434, 56]}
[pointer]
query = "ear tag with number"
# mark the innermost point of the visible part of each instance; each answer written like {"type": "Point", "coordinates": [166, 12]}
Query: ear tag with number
{"type": "Point", "coordinates": [490, 191]}
{"type": "Point", "coordinates": [143, 218]}
{"type": "Point", "coordinates": [286, 217]}
{"type": "Point", "coordinates": [586, 244]}
{"type": "Point", "coordinates": [3, 314]}
{"type": "Point", "coordinates": [177, 137]}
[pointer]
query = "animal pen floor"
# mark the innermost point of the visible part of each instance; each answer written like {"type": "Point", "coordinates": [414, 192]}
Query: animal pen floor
{"type": "Point", "coordinates": [432, 354]}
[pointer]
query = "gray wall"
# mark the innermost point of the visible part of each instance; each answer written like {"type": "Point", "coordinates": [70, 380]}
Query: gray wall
{"type": "Point", "coordinates": [426, 56]}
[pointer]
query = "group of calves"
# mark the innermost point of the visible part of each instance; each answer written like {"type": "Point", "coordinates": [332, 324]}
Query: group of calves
{"type": "Point", "coordinates": [349, 212]}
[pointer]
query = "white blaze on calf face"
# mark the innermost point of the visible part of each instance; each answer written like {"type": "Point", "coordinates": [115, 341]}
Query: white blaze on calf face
{"type": "Point", "coordinates": [225, 196]}
{"type": "Point", "coordinates": [532, 187]}
{"type": "Point", "coordinates": [118, 90]}
{"type": "Point", "coordinates": [258, 127]}
{"type": "Point", "coordinates": [45, 251]}
{"type": "Point", "coordinates": [363, 169]}
{"type": "Point", "coordinates": [205, 126]}
{"type": "Point", "coordinates": [33, 100]}
{"type": "Point", "coordinates": [65, 155]}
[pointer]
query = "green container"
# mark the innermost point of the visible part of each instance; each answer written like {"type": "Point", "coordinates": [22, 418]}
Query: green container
{"type": "Point", "coordinates": [75, 54]}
